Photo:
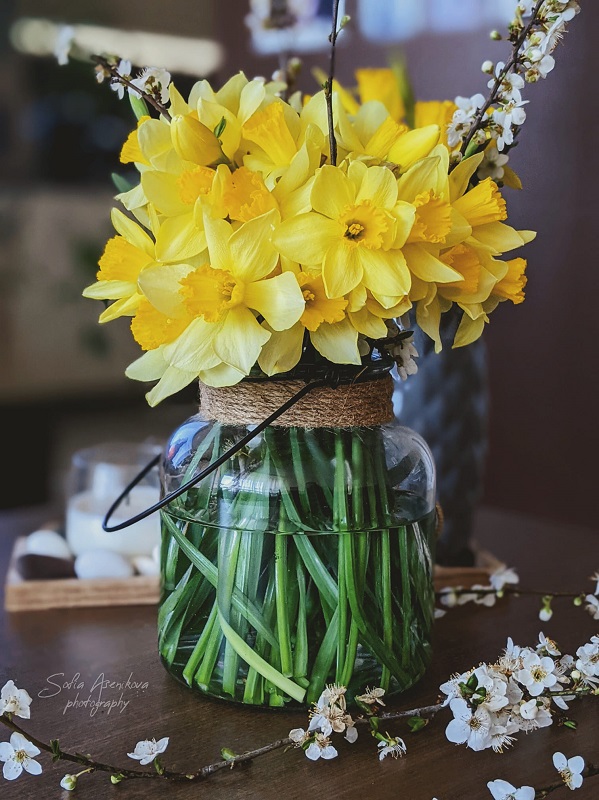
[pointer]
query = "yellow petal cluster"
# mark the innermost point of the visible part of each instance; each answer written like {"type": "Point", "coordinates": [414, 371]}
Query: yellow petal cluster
{"type": "Point", "coordinates": [242, 246]}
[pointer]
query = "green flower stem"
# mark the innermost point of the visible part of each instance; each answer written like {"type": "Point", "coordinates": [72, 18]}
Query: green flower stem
{"type": "Point", "coordinates": [210, 572]}
{"type": "Point", "coordinates": [228, 552]}
{"type": "Point", "coordinates": [340, 523]}
{"type": "Point", "coordinates": [254, 686]}
{"type": "Point", "coordinates": [213, 647]}
{"type": "Point", "coordinates": [406, 605]}
{"type": "Point", "coordinates": [281, 603]}
{"type": "Point", "coordinates": [385, 573]}
{"type": "Point", "coordinates": [199, 650]}
{"type": "Point", "coordinates": [300, 657]}
{"type": "Point", "coordinates": [324, 661]}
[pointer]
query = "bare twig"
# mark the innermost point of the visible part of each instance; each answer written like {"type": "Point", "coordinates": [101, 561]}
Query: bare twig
{"type": "Point", "coordinates": [515, 590]}
{"type": "Point", "coordinates": [328, 89]}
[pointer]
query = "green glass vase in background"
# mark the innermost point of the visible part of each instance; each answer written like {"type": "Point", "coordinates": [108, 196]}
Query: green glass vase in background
{"type": "Point", "coordinates": [305, 559]}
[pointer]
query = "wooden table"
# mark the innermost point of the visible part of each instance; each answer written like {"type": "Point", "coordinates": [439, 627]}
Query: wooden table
{"type": "Point", "coordinates": [119, 643]}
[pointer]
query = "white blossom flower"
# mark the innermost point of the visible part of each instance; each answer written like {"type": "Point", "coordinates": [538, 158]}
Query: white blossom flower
{"type": "Point", "coordinates": [330, 714]}
{"type": "Point", "coordinates": [505, 119]}
{"type": "Point", "coordinates": [146, 751]}
{"type": "Point", "coordinates": [503, 574]}
{"type": "Point", "coordinates": [298, 736]}
{"type": "Point", "coordinates": [439, 613]}
{"type": "Point", "coordinates": [547, 646]}
{"type": "Point", "coordinates": [502, 790]}
{"type": "Point", "coordinates": [587, 662]}
{"type": "Point", "coordinates": [463, 118]}
{"type": "Point", "coordinates": [372, 696]}
{"type": "Point", "coordinates": [63, 44]}
{"type": "Point", "coordinates": [321, 747]}
{"type": "Point", "coordinates": [449, 596]}
{"type": "Point", "coordinates": [535, 715]}
{"type": "Point", "coordinates": [537, 673]}
{"type": "Point", "coordinates": [394, 747]}
{"type": "Point", "coordinates": [404, 352]}
{"type": "Point", "coordinates": [18, 756]}
{"type": "Point", "coordinates": [510, 84]}
{"type": "Point", "coordinates": [153, 81]}
{"type": "Point", "coordinates": [511, 659]}
{"type": "Point", "coordinates": [452, 687]}
{"type": "Point", "coordinates": [595, 578]}
{"type": "Point", "coordinates": [500, 738]}
{"type": "Point", "coordinates": [15, 701]}
{"type": "Point", "coordinates": [472, 728]}
{"type": "Point", "coordinates": [69, 783]}
{"type": "Point", "coordinates": [494, 686]}
{"type": "Point", "coordinates": [124, 70]}
{"type": "Point", "coordinates": [592, 605]}
{"type": "Point", "coordinates": [570, 769]}
{"type": "Point", "coordinates": [493, 164]}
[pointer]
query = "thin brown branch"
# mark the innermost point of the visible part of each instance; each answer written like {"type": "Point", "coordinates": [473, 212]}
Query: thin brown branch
{"type": "Point", "coordinates": [328, 91]}
{"type": "Point", "coordinates": [516, 591]}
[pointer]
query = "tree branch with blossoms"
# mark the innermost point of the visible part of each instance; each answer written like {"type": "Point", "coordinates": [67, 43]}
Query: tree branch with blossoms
{"type": "Point", "coordinates": [489, 704]}
{"type": "Point", "coordinates": [498, 118]}
{"type": "Point", "coordinates": [505, 581]}
{"type": "Point", "coordinates": [147, 86]}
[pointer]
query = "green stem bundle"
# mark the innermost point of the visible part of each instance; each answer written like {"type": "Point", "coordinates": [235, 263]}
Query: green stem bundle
{"type": "Point", "coordinates": [296, 568]}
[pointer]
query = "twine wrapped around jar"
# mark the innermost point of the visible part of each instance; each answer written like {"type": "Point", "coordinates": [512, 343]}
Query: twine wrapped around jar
{"type": "Point", "coordinates": [349, 405]}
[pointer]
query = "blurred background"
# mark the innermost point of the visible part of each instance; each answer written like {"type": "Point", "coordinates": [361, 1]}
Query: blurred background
{"type": "Point", "coordinates": [62, 385]}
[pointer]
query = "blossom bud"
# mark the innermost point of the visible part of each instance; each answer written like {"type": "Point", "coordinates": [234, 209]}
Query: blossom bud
{"type": "Point", "coordinates": [575, 675]}
{"type": "Point", "coordinates": [69, 782]}
{"type": "Point", "coordinates": [194, 142]}
{"type": "Point", "coordinates": [116, 779]}
{"type": "Point", "coordinates": [488, 67]}
{"type": "Point", "coordinates": [495, 36]}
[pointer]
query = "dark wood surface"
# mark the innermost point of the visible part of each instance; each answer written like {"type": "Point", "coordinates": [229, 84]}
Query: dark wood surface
{"type": "Point", "coordinates": [120, 642]}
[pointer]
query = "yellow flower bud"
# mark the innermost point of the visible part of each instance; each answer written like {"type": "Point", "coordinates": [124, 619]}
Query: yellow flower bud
{"type": "Point", "coordinates": [194, 142]}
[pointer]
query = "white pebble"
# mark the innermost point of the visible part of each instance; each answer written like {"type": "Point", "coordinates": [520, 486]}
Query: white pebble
{"type": "Point", "coordinates": [48, 543]}
{"type": "Point", "coordinates": [145, 565]}
{"type": "Point", "coordinates": [102, 564]}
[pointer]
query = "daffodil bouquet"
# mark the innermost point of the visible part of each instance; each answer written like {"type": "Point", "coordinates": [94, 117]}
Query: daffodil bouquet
{"type": "Point", "coordinates": [274, 235]}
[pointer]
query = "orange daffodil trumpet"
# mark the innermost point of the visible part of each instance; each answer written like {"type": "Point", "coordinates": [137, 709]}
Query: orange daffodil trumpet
{"type": "Point", "coordinates": [242, 246]}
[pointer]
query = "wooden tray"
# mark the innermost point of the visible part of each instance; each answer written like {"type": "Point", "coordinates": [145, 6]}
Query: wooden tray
{"type": "Point", "coordinates": [28, 595]}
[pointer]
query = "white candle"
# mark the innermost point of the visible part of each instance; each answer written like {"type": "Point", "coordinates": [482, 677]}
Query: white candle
{"type": "Point", "coordinates": [85, 514]}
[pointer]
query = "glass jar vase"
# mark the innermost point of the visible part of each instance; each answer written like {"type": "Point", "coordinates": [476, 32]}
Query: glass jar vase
{"type": "Point", "coordinates": [305, 559]}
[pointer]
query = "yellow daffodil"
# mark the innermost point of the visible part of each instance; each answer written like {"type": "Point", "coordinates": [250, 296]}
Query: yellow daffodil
{"type": "Point", "coordinates": [355, 232]}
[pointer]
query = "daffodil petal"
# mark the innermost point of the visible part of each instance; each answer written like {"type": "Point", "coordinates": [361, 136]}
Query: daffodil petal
{"type": "Point", "coordinates": [132, 232]}
{"type": "Point", "coordinates": [163, 190]}
{"type": "Point", "coordinates": [121, 308]}
{"type": "Point", "coordinates": [460, 177]}
{"type": "Point", "coordinates": [368, 324]}
{"type": "Point", "coordinates": [149, 367]}
{"type": "Point", "coordinates": [218, 233]}
{"type": "Point", "coordinates": [252, 253]}
{"type": "Point", "coordinates": [240, 339]}
{"type": "Point", "coordinates": [179, 238]}
{"type": "Point", "coordinates": [279, 300]}
{"type": "Point", "coordinates": [332, 192]}
{"type": "Point", "coordinates": [385, 271]}
{"type": "Point", "coordinates": [221, 375]}
{"type": "Point", "coordinates": [161, 286]}
{"type": "Point", "coordinates": [337, 342]}
{"type": "Point", "coordinates": [109, 290]}
{"type": "Point", "coordinates": [282, 351]}
{"type": "Point", "coordinates": [342, 270]}
{"type": "Point", "coordinates": [428, 267]}
{"type": "Point", "coordinates": [171, 382]}
{"type": "Point", "coordinates": [380, 187]}
{"type": "Point", "coordinates": [414, 145]}
{"type": "Point", "coordinates": [428, 318]}
{"type": "Point", "coordinates": [193, 350]}
{"type": "Point", "coordinates": [307, 238]}
{"type": "Point", "coordinates": [498, 237]}
{"type": "Point", "coordinates": [469, 330]}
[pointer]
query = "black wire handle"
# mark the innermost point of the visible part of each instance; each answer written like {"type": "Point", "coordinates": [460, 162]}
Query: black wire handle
{"type": "Point", "coordinates": [309, 387]}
